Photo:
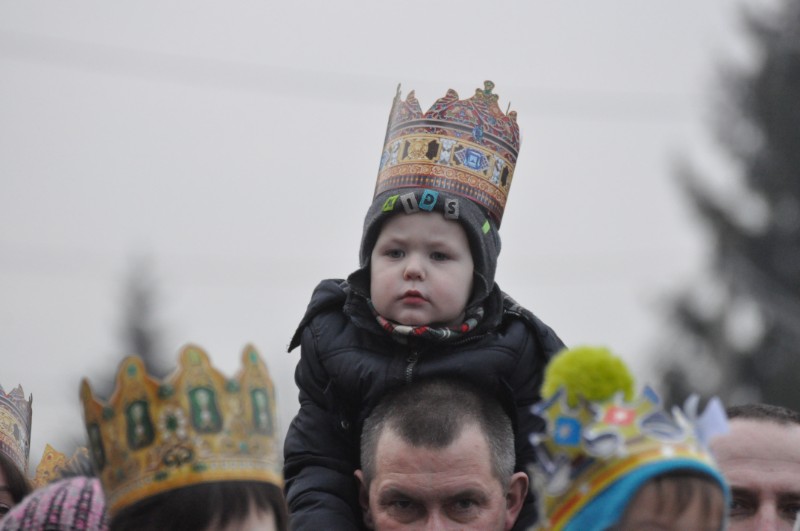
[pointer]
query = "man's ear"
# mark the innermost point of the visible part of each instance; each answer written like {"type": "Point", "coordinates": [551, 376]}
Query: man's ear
{"type": "Point", "coordinates": [515, 497]}
{"type": "Point", "coordinates": [363, 499]}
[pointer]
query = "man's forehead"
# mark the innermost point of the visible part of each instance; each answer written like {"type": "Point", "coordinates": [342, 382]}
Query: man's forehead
{"type": "Point", "coordinates": [758, 440]}
{"type": "Point", "coordinates": [469, 451]}
{"type": "Point", "coordinates": [761, 457]}
{"type": "Point", "coordinates": [468, 429]}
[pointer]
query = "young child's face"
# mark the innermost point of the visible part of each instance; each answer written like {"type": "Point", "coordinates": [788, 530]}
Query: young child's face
{"type": "Point", "coordinates": [656, 507]}
{"type": "Point", "coordinates": [421, 270]}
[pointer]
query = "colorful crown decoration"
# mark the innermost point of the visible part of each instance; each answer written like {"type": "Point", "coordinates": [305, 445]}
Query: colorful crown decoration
{"type": "Point", "coordinates": [195, 427]}
{"type": "Point", "coordinates": [465, 147]}
{"type": "Point", "coordinates": [15, 426]}
{"type": "Point", "coordinates": [587, 447]}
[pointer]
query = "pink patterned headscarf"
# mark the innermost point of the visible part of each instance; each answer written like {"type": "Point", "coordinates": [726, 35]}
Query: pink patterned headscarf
{"type": "Point", "coordinates": [75, 503]}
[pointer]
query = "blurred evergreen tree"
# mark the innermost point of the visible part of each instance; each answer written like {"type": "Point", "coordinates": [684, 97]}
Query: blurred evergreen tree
{"type": "Point", "coordinates": [738, 334]}
{"type": "Point", "coordinates": [140, 331]}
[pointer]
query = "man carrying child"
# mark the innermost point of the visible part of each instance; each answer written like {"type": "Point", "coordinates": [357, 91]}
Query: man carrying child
{"type": "Point", "coordinates": [424, 302]}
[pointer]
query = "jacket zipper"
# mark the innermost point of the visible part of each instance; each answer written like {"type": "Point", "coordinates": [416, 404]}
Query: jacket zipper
{"type": "Point", "coordinates": [412, 360]}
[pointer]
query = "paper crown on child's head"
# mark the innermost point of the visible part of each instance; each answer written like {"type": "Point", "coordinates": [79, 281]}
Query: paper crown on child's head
{"type": "Point", "coordinates": [195, 427]}
{"type": "Point", "coordinates": [466, 148]}
{"type": "Point", "coordinates": [601, 443]}
{"type": "Point", "coordinates": [15, 426]}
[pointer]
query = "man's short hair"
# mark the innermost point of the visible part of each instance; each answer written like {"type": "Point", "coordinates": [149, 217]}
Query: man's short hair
{"type": "Point", "coordinates": [432, 414]}
{"type": "Point", "coordinates": [766, 412]}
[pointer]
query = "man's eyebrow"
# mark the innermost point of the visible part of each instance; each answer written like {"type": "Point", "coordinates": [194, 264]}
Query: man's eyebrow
{"type": "Point", "coordinates": [742, 491]}
{"type": "Point", "coordinates": [392, 492]}
{"type": "Point", "coordinates": [784, 497]}
{"type": "Point", "coordinates": [479, 494]}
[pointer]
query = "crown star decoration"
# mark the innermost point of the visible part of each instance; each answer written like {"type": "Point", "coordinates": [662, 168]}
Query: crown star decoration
{"type": "Point", "coordinates": [465, 147]}
{"type": "Point", "coordinates": [195, 427]}
{"type": "Point", "coordinates": [587, 445]}
{"type": "Point", "coordinates": [15, 426]}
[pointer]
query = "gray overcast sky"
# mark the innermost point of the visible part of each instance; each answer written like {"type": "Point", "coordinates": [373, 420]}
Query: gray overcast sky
{"type": "Point", "coordinates": [212, 137]}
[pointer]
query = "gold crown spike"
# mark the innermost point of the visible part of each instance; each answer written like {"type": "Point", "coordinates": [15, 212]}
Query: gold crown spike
{"type": "Point", "coordinates": [53, 463]}
{"type": "Point", "coordinates": [15, 426]}
{"type": "Point", "coordinates": [195, 427]}
{"type": "Point", "coordinates": [585, 449]}
{"type": "Point", "coordinates": [465, 147]}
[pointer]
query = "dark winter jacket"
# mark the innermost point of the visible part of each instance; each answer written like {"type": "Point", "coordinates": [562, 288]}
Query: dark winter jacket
{"type": "Point", "coordinates": [347, 363]}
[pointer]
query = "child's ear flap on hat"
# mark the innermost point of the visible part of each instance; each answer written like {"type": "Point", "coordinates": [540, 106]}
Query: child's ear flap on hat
{"type": "Point", "coordinates": [360, 279]}
{"type": "Point", "coordinates": [480, 287]}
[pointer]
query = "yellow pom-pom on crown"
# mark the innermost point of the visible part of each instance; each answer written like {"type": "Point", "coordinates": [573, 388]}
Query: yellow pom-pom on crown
{"type": "Point", "coordinates": [593, 373]}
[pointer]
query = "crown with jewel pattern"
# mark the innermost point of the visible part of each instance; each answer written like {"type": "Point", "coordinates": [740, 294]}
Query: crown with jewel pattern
{"type": "Point", "coordinates": [465, 147]}
{"type": "Point", "coordinates": [195, 427]}
{"type": "Point", "coordinates": [597, 432]}
{"type": "Point", "coordinates": [15, 426]}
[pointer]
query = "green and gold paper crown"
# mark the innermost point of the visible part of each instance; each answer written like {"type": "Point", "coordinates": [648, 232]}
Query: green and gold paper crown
{"type": "Point", "coordinates": [195, 427]}
{"type": "Point", "coordinates": [465, 147]}
{"type": "Point", "coordinates": [597, 432]}
{"type": "Point", "coordinates": [15, 426]}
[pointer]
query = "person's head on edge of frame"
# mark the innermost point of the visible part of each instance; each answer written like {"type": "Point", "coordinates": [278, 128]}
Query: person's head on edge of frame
{"type": "Point", "coordinates": [14, 485]}
{"type": "Point", "coordinates": [760, 458]}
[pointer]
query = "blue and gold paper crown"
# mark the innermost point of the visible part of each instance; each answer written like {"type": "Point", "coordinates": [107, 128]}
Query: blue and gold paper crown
{"type": "Point", "coordinates": [465, 147]}
{"type": "Point", "coordinates": [597, 432]}
{"type": "Point", "coordinates": [196, 427]}
{"type": "Point", "coordinates": [15, 426]}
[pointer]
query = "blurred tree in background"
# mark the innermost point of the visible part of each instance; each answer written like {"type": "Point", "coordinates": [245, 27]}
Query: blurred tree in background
{"type": "Point", "coordinates": [140, 330]}
{"type": "Point", "coordinates": [737, 334]}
